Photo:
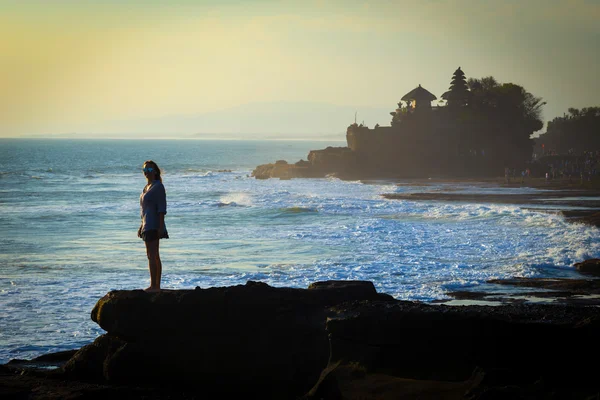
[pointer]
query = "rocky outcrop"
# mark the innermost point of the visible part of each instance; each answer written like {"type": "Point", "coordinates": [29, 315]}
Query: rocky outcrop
{"type": "Point", "coordinates": [533, 349]}
{"type": "Point", "coordinates": [419, 148]}
{"type": "Point", "coordinates": [333, 340]}
{"type": "Point", "coordinates": [556, 291]}
{"type": "Point", "coordinates": [333, 160]}
{"type": "Point", "coordinates": [589, 267]}
{"type": "Point", "coordinates": [282, 170]}
{"type": "Point", "coordinates": [250, 340]}
{"type": "Point", "coordinates": [339, 161]}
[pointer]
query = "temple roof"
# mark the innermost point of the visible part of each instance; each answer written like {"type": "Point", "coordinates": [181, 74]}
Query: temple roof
{"type": "Point", "coordinates": [419, 93]}
{"type": "Point", "coordinates": [459, 72]}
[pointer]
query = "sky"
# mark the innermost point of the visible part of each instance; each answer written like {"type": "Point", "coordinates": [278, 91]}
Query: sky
{"type": "Point", "coordinates": [78, 66]}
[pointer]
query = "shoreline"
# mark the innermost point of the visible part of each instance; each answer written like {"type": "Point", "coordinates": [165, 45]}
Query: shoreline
{"type": "Point", "coordinates": [499, 181]}
{"type": "Point", "coordinates": [577, 202]}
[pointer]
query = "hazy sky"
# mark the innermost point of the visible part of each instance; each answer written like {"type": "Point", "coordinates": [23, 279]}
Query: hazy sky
{"type": "Point", "coordinates": [74, 65]}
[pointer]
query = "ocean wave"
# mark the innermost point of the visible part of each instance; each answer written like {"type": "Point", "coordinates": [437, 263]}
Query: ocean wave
{"type": "Point", "coordinates": [198, 174]}
{"type": "Point", "coordinates": [204, 170]}
{"type": "Point", "coordinates": [298, 210]}
{"type": "Point", "coordinates": [454, 213]}
{"type": "Point", "coordinates": [230, 204]}
{"type": "Point", "coordinates": [235, 199]}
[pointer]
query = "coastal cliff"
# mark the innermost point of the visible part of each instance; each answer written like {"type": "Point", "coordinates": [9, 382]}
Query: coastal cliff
{"type": "Point", "coordinates": [483, 128]}
{"type": "Point", "coordinates": [420, 147]}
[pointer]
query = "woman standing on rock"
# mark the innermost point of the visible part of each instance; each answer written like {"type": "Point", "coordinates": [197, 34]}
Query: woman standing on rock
{"type": "Point", "coordinates": [153, 204]}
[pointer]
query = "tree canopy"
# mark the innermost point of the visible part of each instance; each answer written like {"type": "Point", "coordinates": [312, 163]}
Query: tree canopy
{"type": "Point", "coordinates": [485, 126]}
{"type": "Point", "coordinates": [575, 132]}
{"type": "Point", "coordinates": [498, 120]}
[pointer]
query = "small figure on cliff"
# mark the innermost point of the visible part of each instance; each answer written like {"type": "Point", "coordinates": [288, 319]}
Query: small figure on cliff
{"type": "Point", "coordinates": [153, 204]}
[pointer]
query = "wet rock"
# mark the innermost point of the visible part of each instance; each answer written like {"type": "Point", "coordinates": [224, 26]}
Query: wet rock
{"type": "Point", "coordinates": [589, 267]}
{"type": "Point", "coordinates": [557, 291]}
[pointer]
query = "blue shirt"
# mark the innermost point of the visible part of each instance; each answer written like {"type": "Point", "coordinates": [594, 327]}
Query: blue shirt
{"type": "Point", "coordinates": [153, 202]}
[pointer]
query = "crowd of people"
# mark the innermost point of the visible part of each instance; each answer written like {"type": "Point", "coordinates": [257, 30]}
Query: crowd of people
{"type": "Point", "coordinates": [572, 167]}
{"type": "Point", "coordinates": [552, 166]}
{"type": "Point", "coordinates": [512, 173]}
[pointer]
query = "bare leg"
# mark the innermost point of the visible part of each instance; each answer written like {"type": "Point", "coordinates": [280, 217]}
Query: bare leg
{"type": "Point", "coordinates": [158, 266]}
{"type": "Point", "coordinates": [152, 254]}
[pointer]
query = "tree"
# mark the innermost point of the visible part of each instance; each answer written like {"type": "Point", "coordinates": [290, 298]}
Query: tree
{"type": "Point", "coordinates": [504, 117]}
{"type": "Point", "coordinates": [579, 130]}
{"type": "Point", "coordinates": [399, 114]}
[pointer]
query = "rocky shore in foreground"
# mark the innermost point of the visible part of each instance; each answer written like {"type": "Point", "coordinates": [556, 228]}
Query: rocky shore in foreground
{"type": "Point", "coordinates": [332, 340]}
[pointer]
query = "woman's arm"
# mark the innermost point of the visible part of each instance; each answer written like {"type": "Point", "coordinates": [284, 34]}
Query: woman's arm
{"type": "Point", "coordinates": [161, 224]}
{"type": "Point", "coordinates": [161, 208]}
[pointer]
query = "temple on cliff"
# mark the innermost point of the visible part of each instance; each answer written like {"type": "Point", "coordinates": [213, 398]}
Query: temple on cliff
{"type": "Point", "coordinates": [419, 140]}
{"type": "Point", "coordinates": [470, 135]}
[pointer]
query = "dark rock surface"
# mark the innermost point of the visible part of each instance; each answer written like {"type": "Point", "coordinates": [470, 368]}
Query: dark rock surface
{"type": "Point", "coordinates": [562, 291]}
{"type": "Point", "coordinates": [464, 352]}
{"type": "Point", "coordinates": [339, 161]}
{"type": "Point", "coordinates": [589, 267]}
{"type": "Point", "coordinates": [248, 339]}
{"type": "Point", "coordinates": [333, 340]}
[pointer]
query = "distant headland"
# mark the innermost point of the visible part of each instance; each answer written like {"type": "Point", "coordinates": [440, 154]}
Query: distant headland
{"type": "Point", "coordinates": [483, 129]}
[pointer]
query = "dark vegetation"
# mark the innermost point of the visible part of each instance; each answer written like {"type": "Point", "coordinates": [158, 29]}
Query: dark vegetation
{"type": "Point", "coordinates": [484, 126]}
{"type": "Point", "coordinates": [575, 133]}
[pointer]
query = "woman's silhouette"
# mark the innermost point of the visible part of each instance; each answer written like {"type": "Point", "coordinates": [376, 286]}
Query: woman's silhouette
{"type": "Point", "coordinates": [153, 204]}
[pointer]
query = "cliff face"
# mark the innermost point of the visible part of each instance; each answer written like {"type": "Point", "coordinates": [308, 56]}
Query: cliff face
{"type": "Point", "coordinates": [383, 151]}
{"type": "Point", "coordinates": [424, 144]}
{"type": "Point", "coordinates": [419, 148]}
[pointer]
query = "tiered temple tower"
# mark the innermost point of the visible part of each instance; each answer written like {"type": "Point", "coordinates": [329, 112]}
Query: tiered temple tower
{"type": "Point", "coordinates": [459, 93]}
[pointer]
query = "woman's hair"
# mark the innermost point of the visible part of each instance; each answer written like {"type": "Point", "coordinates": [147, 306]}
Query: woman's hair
{"type": "Point", "coordinates": [150, 163]}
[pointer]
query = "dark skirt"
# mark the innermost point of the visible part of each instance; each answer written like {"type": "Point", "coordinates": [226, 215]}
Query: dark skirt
{"type": "Point", "coordinates": [148, 236]}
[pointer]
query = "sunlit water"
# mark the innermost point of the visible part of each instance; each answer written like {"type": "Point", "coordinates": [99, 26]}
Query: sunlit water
{"type": "Point", "coordinates": [70, 212]}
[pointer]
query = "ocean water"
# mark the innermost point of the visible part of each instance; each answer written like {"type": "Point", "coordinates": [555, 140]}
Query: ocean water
{"type": "Point", "coordinates": [70, 212]}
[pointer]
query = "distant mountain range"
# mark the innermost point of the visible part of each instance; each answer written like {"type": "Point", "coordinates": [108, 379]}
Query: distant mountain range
{"type": "Point", "coordinates": [276, 120]}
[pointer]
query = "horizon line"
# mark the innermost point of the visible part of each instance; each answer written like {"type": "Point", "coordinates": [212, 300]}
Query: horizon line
{"type": "Point", "coordinates": [164, 138]}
